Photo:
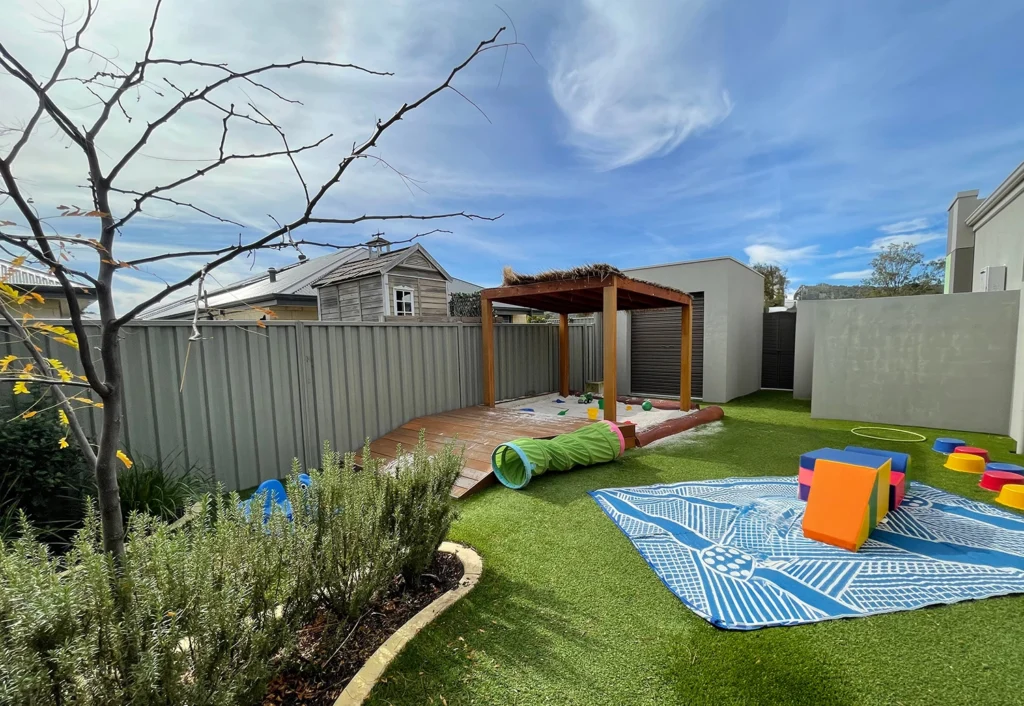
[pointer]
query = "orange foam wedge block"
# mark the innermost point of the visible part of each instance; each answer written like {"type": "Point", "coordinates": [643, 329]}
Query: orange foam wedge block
{"type": "Point", "coordinates": [839, 511]}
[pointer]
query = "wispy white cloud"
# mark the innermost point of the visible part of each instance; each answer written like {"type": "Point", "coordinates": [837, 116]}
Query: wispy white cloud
{"type": "Point", "coordinates": [879, 244]}
{"type": "Point", "coordinates": [775, 255]}
{"type": "Point", "coordinates": [625, 83]}
{"type": "Point", "coordinates": [857, 275]}
{"type": "Point", "coordinates": [911, 226]}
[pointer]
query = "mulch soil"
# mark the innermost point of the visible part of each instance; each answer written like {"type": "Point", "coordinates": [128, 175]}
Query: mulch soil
{"type": "Point", "coordinates": [330, 652]}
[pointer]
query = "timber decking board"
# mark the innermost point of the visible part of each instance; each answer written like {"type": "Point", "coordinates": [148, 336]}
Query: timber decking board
{"type": "Point", "coordinates": [477, 430]}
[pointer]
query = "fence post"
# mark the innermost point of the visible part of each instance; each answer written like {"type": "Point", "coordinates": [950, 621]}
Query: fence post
{"type": "Point", "coordinates": [305, 384]}
{"type": "Point", "coordinates": [460, 366]}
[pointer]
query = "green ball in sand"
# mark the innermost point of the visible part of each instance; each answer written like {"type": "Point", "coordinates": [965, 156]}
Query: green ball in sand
{"type": "Point", "coordinates": [647, 406]}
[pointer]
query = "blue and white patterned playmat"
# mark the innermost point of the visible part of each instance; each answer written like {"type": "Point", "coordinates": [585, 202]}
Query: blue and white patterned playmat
{"type": "Point", "coordinates": [734, 552]}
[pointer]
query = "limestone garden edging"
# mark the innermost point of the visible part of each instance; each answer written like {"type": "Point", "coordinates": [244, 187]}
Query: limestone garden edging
{"type": "Point", "coordinates": [362, 683]}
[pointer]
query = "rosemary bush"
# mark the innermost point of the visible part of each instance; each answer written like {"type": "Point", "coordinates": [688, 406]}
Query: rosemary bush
{"type": "Point", "coordinates": [206, 613]}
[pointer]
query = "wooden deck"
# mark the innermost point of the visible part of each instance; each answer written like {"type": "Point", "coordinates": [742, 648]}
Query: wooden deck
{"type": "Point", "coordinates": [478, 430]}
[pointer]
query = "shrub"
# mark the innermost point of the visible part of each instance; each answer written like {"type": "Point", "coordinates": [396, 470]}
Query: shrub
{"type": "Point", "coordinates": [36, 475]}
{"type": "Point", "coordinates": [422, 506]}
{"type": "Point", "coordinates": [155, 487]}
{"type": "Point", "coordinates": [464, 304]}
{"type": "Point", "coordinates": [189, 619]}
{"type": "Point", "coordinates": [343, 523]}
{"type": "Point", "coordinates": [191, 616]}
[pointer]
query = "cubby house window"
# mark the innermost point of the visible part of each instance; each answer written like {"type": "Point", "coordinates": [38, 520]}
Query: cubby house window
{"type": "Point", "coordinates": [404, 302]}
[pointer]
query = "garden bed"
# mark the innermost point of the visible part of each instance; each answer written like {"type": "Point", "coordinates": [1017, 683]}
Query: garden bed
{"type": "Point", "coordinates": [330, 653]}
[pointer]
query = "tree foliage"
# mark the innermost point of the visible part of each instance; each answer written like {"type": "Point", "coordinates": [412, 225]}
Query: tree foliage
{"type": "Point", "coordinates": [775, 281]}
{"type": "Point", "coordinates": [900, 269]}
{"type": "Point", "coordinates": [825, 290]}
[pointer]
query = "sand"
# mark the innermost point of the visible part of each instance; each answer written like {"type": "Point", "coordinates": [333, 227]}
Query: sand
{"type": "Point", "coordinates": [546, 404]}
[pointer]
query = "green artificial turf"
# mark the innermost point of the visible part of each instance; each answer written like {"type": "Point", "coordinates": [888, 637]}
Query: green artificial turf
{"type": "Point", "coordinates": [567, 611]}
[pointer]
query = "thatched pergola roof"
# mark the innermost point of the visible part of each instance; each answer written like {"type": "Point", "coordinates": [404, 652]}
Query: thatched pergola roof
{"type": "Point", "coordinates": [579, 290]}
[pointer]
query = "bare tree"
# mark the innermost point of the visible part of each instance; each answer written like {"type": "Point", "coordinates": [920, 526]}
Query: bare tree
{"type": "Point", "coordinates": [114, 202]}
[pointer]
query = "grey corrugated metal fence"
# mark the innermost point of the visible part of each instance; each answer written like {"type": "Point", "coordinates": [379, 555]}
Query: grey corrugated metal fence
{"type": "Point", "coordinates": [251, 399]}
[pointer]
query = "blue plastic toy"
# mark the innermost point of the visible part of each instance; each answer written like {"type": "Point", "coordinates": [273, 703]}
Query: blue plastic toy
{"type": "Point", "coordinates": [274, 495]}
{"type": "Point", "coordinates": [1009, 467]}
{"type": "Point", "coordinates": [947, 445]}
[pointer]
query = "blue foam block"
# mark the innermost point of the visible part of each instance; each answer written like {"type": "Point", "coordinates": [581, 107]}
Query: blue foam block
{"type": "Point", "coordinates": [947, 445]}
{"type": "Point", "coordinates": [856, 459]}
{"type": "Point", "coordinates": [1010, 467]}
{"type": "Point", "coordinates": [900, 461]}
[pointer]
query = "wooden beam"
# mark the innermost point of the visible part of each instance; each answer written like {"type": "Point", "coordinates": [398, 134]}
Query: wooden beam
{"type": "Point", "coordinates": [686, 358]}
{"type": "Point", "coordinates": [525, 290]}
{"type": "Point", "coordinates": [611, 310]}
{"type": "Point", "coordinates": [487, 330]}
{"type": "Point", "coordinates": [670, 296]}
{"type": "Point", "coordinates": [563, 355]}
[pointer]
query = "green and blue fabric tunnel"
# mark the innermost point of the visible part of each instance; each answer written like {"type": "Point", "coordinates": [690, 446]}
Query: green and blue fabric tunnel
{"type": "Point", "coordinates": [516, 462]}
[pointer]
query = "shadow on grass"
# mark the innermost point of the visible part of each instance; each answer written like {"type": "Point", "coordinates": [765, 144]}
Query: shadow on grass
{"type": "Point", "coordinates": [762, 667]}
{"type": "Point", "coordinates": [503, 632]}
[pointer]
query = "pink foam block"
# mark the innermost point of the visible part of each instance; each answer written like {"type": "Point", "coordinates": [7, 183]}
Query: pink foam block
{"type": "Point", "coordinates": [897, 488]}
{"type": "Point", "coordinates": [805, 476]}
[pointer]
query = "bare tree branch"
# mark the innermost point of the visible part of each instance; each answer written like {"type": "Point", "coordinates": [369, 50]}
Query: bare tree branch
{"type": "Point", "coordinates": [219, 162]}
{"type": "Point", "coordinates": [201, 94]}
{"type": "Point", "coordinates": [184, 204]}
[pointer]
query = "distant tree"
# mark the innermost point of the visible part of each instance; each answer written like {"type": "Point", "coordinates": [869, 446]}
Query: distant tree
{"type": "Point", "coordinates": [900, 269]}
{"type": "Point", "coordinates": [774, 283]}
{"type": "Point", "coordinates": [812, 292]}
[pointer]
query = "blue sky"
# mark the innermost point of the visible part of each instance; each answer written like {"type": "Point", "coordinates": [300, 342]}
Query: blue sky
{"type": "Point", "coordinates": [803, 133]}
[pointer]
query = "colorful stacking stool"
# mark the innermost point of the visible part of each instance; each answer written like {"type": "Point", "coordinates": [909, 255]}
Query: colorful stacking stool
{"type": "Point", "coordinates": [1012, 495]}
{"type": "Point", "coordinates": [1011, 467]}
{"type": "Point", "coordinates": [840, 510]}
{"type": "Point", "coordinates": [809, 460]}
{"type": "Point", "coordinates": [900, 463]}
{"type": "Point", "coordinates": [973, 450]}
{"type": "Point", "coordinates": [946, 445]}
{"type": "Point", "coordinates": [995, 480]}
{"type": "Point", "coordinates": [965, 463]}
{"type": "Point", "coordinates": [880, 464]}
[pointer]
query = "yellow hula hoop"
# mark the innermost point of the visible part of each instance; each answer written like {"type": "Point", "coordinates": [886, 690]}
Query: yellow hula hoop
{"type": "Point", "coordinates": [914, 436]}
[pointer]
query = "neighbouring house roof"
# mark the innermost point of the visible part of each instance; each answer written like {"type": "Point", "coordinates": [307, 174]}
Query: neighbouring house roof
{"type": "Point", "coordinates": [23, 277]}
{"type": "Point", "coordinates": [376, 266]}
{"type": "Point", "coordinates": [291, 281]}
{"type": "Point", "coordinates": [1003, 194]}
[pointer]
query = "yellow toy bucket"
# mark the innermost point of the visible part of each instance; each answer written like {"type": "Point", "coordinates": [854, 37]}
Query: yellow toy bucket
{"type": "Point", "coordinates": [965, 463]}
{"type": "Point", "coordinates": [1011, 496]}
{"type": "Point", "coordinates": [592, 412]}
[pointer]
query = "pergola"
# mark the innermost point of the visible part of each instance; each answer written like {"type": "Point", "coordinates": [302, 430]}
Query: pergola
{"type": "Point", "coordinates": [608, 293]}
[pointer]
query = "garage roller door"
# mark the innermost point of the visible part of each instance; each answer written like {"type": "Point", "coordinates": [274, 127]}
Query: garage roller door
{"type": "Point", "coordinates": [655, 349]}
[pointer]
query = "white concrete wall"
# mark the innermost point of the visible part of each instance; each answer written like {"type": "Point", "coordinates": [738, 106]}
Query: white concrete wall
{"type": "Point", "coordinates": [999, 240]}
{"type": "Point", "coordinates": [803, 359]}
{"type": "Point", "coordinates": [1016, 430]}
{"type": "Point", "coordinates": [944, 361]}
{"type": "Point", "coordinates": [746, 332]}
{"type": "Point", "coordinates": [733, 294]}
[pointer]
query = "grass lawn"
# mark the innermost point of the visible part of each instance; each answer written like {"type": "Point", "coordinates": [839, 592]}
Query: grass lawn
{"type": "Point", "coordinates": [569, 613]}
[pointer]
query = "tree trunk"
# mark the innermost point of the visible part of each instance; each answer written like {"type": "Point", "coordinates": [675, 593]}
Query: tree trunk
{"type": "Point", "coordinates": [108, 494]}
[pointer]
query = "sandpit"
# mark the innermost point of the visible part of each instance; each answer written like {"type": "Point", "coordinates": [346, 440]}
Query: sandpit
{"type": "Point", "coordinates": [546, 404]}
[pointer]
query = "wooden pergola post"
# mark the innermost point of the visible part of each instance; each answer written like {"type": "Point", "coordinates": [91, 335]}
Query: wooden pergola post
{"type": "Point", "coordinates": [563, 355]}
{"type": "Point", "coordinates": [611, 310]}
{"type": "Point", "coordinates": [686, 358]}
{"type": "Point", "coordinates": [487, 330]}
